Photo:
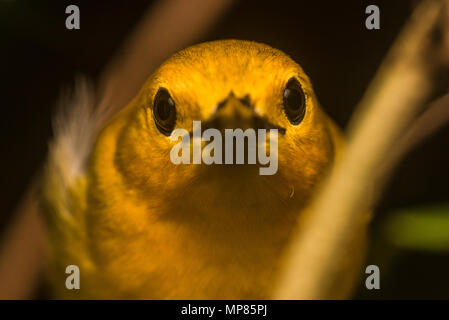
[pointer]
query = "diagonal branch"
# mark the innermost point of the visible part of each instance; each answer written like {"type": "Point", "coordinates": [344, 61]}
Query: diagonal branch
{"type": "Point", "coordinates": [397, 94]}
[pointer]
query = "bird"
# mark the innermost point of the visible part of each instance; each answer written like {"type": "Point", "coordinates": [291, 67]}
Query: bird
{"type": "Point", "coordinates": [139, 226]}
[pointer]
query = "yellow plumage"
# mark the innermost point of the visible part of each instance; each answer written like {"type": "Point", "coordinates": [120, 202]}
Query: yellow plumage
{"type": "Point", "coordinates": [139, 226]}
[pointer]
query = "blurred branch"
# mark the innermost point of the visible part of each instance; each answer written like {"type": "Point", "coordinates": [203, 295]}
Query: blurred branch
{"type": "Point", "coordinates": [164, 28]}
{"type": "Point", "coordinates": [397, 94]}
{"type": "Point", "coordinates": [432, 119]}
{"type": "Point", "coordinates": [22, 251]}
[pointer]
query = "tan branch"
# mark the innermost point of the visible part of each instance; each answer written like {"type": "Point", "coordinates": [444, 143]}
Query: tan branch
{"type": "Point", "coordinates": [397, 93]}
{"type": "Point", "coordinates": [22, 251]}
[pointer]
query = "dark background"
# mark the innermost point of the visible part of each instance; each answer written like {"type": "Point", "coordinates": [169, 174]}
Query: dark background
{"type": "Point", "coordinates": [329, 39]}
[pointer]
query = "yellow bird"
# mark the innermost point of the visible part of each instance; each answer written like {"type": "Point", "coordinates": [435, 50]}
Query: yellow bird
{"type": "Point", "coordinates": [140, 226]}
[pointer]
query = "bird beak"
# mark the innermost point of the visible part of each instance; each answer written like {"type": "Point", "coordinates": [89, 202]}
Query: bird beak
{"type": "Point", "coordinates": [233, 113]}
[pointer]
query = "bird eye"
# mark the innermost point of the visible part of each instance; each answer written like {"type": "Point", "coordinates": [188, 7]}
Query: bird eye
{"type": "Point", "coordinates": [164, 112]}
{"type": "Point", "coordinates": [294, 102]}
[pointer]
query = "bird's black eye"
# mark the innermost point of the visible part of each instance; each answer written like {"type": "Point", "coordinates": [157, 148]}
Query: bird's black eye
{"type": "Point", "coordinates": [294, 101]}
{"type": "Point", "coordinates": [164, 112]}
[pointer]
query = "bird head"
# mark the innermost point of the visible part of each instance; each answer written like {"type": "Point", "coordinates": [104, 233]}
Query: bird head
{"type": "Point", "coordinates": [226, 85]}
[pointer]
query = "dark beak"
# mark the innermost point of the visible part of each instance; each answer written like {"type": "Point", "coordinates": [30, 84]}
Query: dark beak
{"type": "Point", "coordinates": [233, 113]}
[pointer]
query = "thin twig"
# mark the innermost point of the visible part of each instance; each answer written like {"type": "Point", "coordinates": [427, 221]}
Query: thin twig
{"type": "Point", "coordinates": [396, 95]}
{"type": "Point", "coordinates": [22, 252]}
{"type": "Point", "coordinates": [433, 119]}
{"type": "Point", "coordinates": [165, 28]}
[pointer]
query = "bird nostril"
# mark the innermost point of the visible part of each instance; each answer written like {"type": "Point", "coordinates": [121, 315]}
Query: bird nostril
{"type": "Point", "coordinates": [221, 105]}
{"type": "Point", "coordinates": [246, 101]}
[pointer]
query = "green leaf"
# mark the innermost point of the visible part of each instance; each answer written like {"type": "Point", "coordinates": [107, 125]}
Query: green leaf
{"type": "Point", "coordinates": [425, 228]}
